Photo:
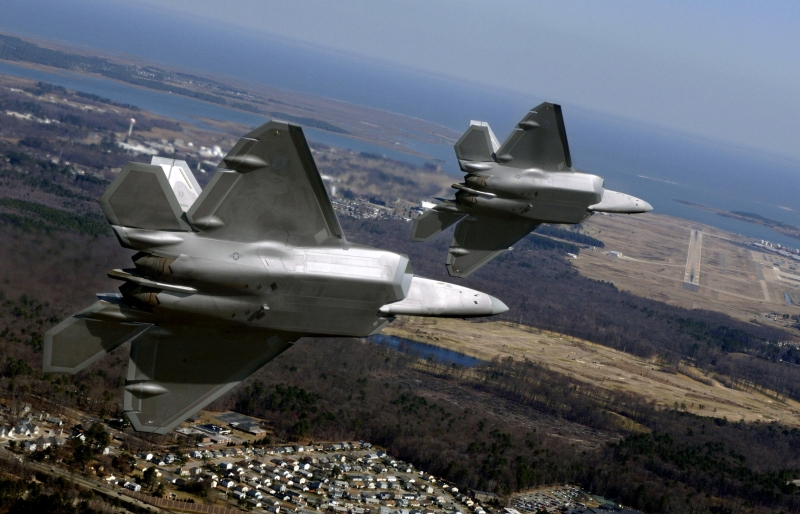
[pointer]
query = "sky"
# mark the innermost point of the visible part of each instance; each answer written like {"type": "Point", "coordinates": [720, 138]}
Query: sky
{"type": "Point", "coordinates": [726, 71]}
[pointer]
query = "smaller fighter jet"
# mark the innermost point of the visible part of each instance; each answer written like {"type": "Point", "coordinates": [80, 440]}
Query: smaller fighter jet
{"type": "Point", "coordinates": [511, 189]}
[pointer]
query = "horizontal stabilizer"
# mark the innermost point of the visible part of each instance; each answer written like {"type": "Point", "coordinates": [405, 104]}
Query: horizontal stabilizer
{"type": "Point", "coordinates": [174, 371]}
{"type": "Point", "coordinates": [433, 222]}
{"type": "Point", "coordinates": [477, 144]}
{"type": "Point", "coordinates": [479, 240]}
{"type": "Point", "coordinates": [79, 341]}
{"type": "Point", "coordinates": [142, 197]}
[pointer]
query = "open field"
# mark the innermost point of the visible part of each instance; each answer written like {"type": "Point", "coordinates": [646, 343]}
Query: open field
{"type": "Point", "coordinates": [655, 263]}
{"type": "Point", "coordinates": [599, 365]}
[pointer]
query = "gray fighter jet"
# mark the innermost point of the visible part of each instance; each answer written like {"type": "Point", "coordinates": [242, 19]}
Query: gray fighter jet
{"type": "Point", "coordinates": [511, 189]}
{"type": "Point", "coordinates": [226, 278]}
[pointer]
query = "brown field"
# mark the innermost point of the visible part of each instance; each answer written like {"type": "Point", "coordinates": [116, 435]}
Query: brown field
{"type": "Point", "coordinates": [653, 264]}
{"type": "Point", "coordinates": [601, 366]}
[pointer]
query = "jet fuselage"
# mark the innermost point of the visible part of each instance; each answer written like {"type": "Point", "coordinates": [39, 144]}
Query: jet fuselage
{"type": "Point", "coordinates": [546, 197]}
{"type": "Point", "coordinates": [543, 196]}
{"type": "Point", "coordinates": [353, 291]}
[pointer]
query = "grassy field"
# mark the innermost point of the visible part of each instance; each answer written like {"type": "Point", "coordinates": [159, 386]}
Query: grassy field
{"type": "Point", "coordinates": [601, 366]}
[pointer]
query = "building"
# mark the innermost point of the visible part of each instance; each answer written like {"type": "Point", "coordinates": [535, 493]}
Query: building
{"type": "Point", "coordinates": [213, 429]}
{"type": "Point", "coordinates": [132, 486]}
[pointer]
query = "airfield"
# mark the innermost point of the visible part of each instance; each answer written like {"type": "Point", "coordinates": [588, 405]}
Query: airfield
{"type": "Point", "coordinates": [691, 265]}
{"type": "Point", "coordinates": [672, 260]}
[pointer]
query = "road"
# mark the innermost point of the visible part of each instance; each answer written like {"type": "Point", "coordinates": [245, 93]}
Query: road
{"type": "Point", "coordinates": [84, 482]}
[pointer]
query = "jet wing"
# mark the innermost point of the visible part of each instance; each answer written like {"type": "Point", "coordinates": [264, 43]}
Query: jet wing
{"type": "Point", "coordinates": [271, 190]}
{"type": "Point", "coordinates": [433, 222]}
{"type": "Point", "coordinates": [479, 240]}
{"type": "Point", "coordinates": [538, 141]}
{"type": "Point", "coordinates": [82, 339]}
{"type": "Point", "coordinates": [174, 371]}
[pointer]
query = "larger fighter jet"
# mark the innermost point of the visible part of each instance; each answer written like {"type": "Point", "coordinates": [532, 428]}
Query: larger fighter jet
{"type": "Point", "coordinates": [227, 278]}
{"type": "Point", "coordinates": [511, 189]}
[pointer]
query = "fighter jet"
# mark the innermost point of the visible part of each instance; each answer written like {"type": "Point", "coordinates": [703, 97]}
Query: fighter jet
{"type": "Point", "coordinates": [227, 278]}
{"type": "Point", "coordinates": [511, 189]}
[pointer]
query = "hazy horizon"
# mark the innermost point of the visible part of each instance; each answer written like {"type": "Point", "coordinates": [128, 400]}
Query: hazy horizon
{"type": "Point", "coordinates": [729, 81]}
{"type": "Point", "coordinates": [689, 165]}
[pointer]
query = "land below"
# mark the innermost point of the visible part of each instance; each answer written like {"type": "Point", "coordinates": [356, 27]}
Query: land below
{"type": "Point", "coordinates": [685, 387]}
{"type": "Point", "coordinates": [606, 372]}
{"type": "Point", "coordinates": [379, 127]}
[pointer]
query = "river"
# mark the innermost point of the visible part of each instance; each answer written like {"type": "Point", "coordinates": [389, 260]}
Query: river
{"type": "Point", "coordinates": [426, 351]}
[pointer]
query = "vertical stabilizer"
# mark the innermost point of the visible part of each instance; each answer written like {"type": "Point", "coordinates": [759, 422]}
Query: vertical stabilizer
{"type": "Point", "coordinates": [142, 197]}
{"type": "Point", "coordinates": [477, 144]}
{"type": "Point", "coordinates": [181, 179]}
{"type": "Point", "coordinates": [538, 141]}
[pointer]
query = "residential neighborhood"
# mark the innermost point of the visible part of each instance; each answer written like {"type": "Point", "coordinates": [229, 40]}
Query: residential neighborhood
{"type": "Point", "coordinates": [218, 461]}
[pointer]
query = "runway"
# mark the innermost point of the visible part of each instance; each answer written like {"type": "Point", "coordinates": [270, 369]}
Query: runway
{"type": "Point", "coordinates": [691, 277]}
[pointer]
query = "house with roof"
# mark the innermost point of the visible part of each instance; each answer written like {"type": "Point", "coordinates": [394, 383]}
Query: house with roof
{"type": "Point", "coordinates": [52, 420]}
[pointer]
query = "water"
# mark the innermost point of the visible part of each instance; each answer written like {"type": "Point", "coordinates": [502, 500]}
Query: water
{"type": "Point", "coordinates": [188, 110]}
{"type": "Point", "coordinates": [642, 160]}
{"type": "Point", "coordinates": [425, 351]}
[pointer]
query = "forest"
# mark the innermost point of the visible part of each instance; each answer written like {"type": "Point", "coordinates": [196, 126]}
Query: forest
{"type": "Point", "coordinates": [543, 290]}
{"type": "Point", "coordinates": [436, 416]}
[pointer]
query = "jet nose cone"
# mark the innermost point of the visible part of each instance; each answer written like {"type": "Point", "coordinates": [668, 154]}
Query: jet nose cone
{"type": "Point", "coordinates": [647, 206]}
{"type": "Point", "coordinates": [498, 307]}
